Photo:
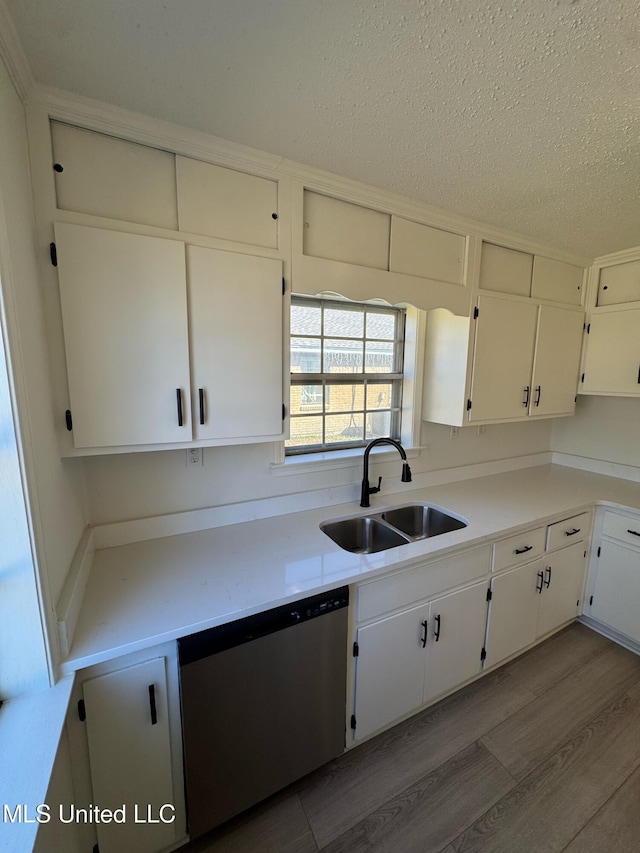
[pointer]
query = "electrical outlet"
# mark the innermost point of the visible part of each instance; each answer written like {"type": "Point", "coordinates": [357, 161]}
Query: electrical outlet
{"type": "Point", "coordinates": [195, 457]}
{"type": "Point", "coordinates": [482, 428]}
{"type": "Point", "coordinates": [453, 432]}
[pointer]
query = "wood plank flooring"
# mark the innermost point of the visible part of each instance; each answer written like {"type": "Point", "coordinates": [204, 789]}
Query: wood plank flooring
{"type": "Point", "coordinates": [541, 755]}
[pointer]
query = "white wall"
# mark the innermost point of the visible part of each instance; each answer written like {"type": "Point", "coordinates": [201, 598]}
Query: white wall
{"type": "Point", "coordinates": [54, 486]}
{"type": "Point", "coordinates": [604, 428]}
{"type": "Point", "coordinates": [136, 485]}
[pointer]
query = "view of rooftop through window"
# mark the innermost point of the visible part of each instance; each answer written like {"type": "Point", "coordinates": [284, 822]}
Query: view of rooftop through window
{"type": "Point", "coordinates": [346, 373]}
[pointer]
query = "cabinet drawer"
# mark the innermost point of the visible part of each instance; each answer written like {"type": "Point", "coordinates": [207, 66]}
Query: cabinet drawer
{"type": "Point", "coordinates": [519, 548]}
{"type": "Point", "coordinates": [568, 531]}
{"type": "Point", "coordinates": [623, 527]}
{"type": "Point", "coordinates": [421, 583]}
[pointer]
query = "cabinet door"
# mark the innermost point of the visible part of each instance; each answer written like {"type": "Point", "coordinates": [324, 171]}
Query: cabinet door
{"type": "Point", "coordinates": [505, 270]}
{"type": "Point", "coordinates": [130, 756]}
{"type": "Point", "coordinates": [503, 357]}
{"type": "Point", "coordinates": [557, 361]}
{"type": "Point", "coordinates": [342, 231]}
{"type": "Point", "coordinates": [235, 315]}
{"type": "Point", "coordinates": [513, 612]}
{"type": "Point", "coordinates": [227, 204]}
{"type": "Point", "coordinates": [617, 589]}
{"type": "Point", "coordinates": [124, 312]}
{"type": "Point", "coordinates": [105, 176]}
{"type": "Point", "coordinates": [556, 281]}
{"type": "Point", "coordinates": [619, 283]}
{"type": "Point", "coordinates": [390, 669]}
{"type": "Point", "coordinates": [612, 364]}
{"type": "Point", "coordinates": [562, 592]}
{"type": "Point", "coordinates": [457, 624]}
{"type": "Point", "coordinates": [420, 250]}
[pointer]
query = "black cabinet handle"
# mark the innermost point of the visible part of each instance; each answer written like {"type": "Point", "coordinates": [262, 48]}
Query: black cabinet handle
{"type": "Point", "coordinates": [633, 532]}
{"type": "Point", "coordinates": [424, 636]}
{"type": "Point", "coordinates": [436, 633]}
{"type": "Point", "coordinates": [201, 401]}
{"type": "Point", "coordinates": [547, 581]}
{"type": "Point", "coordinates": [523, 550]}
{"type": "Point", "coordinates": [572, 532]}
{"type": "Point", "coordinates": [152, 704]}
{"type": "Point", "coordinates": [179, 403]}
{"type": "Point", "coordinates": [538, 395]}
{"type": "Point", "coordinates": [527, 394]}
{"type": "Point", "coordinates": [541, 580]}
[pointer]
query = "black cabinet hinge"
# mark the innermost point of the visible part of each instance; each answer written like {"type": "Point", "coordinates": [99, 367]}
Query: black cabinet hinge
{"type": "Point", "coordinates": [575, 399]}
{"type": "Point", "coordinates": [590, 601]}
{"type": "Point", "coordinates": [483, 654]}
{"type": "Point", "coordinates": [82, 711]}
{"type": "Point", "coordinates": [476, 311]}
{"type": "Point", "coordinates": [284, 286]}
{"type": "Point", "coordinates": [356, 650]}
{"type": "Point", "coordinates": [96, 848]}
{"type": "Point", "coordinates": [582, 378]}
{"type": "Point", "coordinates": [53, 254]}
{"type": "Point", "coordinates": [598, 551]}
{"type": "Point", "coordinates": [284, 411]}
{"type": "Point", "coordinates": [468, 405]}
{"type": "Point", "coordinates": [489, 594]}
{"type": "Point", "coordinates": [68, 419]}
{"type": "Point", "coordinates": [353, 722]}
{"type": "Point", "coordinates": [589, 328]}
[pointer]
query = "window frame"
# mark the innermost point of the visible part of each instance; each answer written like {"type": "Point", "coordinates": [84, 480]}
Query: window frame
{"type": "Point", "coordinates": [326, 379]}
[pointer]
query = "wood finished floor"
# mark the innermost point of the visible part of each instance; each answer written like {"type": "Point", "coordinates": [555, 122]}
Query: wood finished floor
{"type": "Point", "coordinates": [540, 755]}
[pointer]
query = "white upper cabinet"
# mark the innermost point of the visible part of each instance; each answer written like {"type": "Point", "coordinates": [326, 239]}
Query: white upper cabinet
{"type": "Point", "coordinates": [522, 274]}
{"type": "Point", "coordinates": [341, 231]}
{"type": "Point", "coordinates": [104, 176]}
{"type": "Point", "coordinates": [556, 281]}
{"type": "Point", "coordinates": [524, 363]}
{"type": "Point", "coordinates": [428, 252]}
{"type": "Point", "coordinates": [503, 358]}
{"type": "Point", "coordinates": [619, 283]}
{"type": "Point", "coordinates": [235, 317]}
{"type": "Point", "coordinates": [505, 270]}
{"type": "Point", "coordinates": [145, 370]}
{"type": "Point", "coordinates": [612, 361]}
{"type": "Point", "coordinates": [557, 361]}
{"type": "Point", "coordinates": [124, 311]}
{"type": "Point", "coordinates": [218, 202]}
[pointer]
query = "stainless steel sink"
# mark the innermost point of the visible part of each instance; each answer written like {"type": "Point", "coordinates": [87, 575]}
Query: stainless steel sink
{"type": "Point", "coordinates": [363, 535]}
{"type": "Point", "coordinates": [420, 522]}
{"type": "Point", "coordinates": [366, 534]}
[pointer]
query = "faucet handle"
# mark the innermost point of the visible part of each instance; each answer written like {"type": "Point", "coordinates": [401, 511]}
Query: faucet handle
{"type": "Point", "coordinates": [374, 489]}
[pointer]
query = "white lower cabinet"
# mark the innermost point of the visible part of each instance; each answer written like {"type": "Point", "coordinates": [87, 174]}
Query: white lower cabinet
{"type": "Point", "coordinates": [405, 660]}
{"type": "Point", "coordinates": [613, 588]}
{"type": "Point", "coordinates": [531, 600]}
{"type": "Point", "coordinates": [126, 734]}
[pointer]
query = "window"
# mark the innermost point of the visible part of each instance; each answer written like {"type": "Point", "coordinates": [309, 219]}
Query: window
{"type": "Point", "coordinates": [346, 373]}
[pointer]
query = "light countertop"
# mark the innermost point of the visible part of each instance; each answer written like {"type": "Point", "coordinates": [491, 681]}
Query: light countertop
{"type": "Point", "coordinates": [145, 593]}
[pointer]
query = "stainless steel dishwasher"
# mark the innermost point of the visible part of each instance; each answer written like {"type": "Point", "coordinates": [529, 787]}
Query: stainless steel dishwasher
{"type": "Point", "coordinates": [263, 703]}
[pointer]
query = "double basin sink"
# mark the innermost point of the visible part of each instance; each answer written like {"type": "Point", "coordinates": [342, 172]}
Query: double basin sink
{"type": "Point", "coordinates": [367, 534]}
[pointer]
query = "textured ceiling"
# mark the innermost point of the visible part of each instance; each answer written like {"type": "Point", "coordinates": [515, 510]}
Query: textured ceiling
{"type": "Point", "coordinates": [524, 114]}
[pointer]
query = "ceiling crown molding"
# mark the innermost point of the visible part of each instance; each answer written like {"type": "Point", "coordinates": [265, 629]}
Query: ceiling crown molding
{"type": "Point", "coordinates": [13, 55]}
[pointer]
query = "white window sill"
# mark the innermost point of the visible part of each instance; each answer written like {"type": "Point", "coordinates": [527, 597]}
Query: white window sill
{"type": "Point", "coordinates": [304, 463]}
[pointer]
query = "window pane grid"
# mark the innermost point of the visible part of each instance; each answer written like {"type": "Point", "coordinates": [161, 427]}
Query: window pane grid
{"type": "Point", "coordinates": [356, 395]}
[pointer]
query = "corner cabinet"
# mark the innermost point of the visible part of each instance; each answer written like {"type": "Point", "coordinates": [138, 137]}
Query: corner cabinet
{"type": "Point", "coordinates": [514, 359]}
{"type": "Point", "coordinates": [164, 347]}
